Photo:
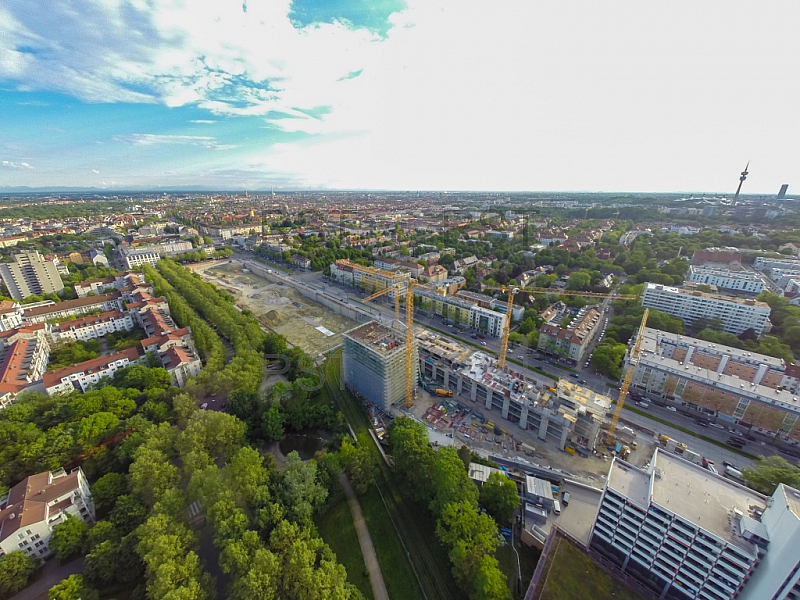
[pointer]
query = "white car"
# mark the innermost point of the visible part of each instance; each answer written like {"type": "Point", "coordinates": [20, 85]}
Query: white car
{"type": "Point", "coordinates": [672, 409]}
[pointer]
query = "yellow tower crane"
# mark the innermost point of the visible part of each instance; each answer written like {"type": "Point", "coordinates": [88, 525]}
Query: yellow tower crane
{"type": "Point", "coordinates": [501, 358]}
{"type": "Point", "coordinates": [623, 390]}
{"type": "Point", "coordinates": [409, 287]}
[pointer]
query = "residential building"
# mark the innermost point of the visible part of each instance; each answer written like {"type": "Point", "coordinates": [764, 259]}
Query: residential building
{"type": "Point", "coordinates": [792, 248]}
{"type": "Point", "coordinates": [136, 257]}
{"type": "Point", "coordinates": [391, 264]}
{"type": "Point", "coordinates": [23, 360]}
{"type": "Point", "coordinates": [461, 265]}
{"type": "Point", "coordinates": [30, 274]}
{"type": "Point", "coordinates": [735, 314]}
{"type": "Point", "coordinates": [37, 504]}
{"type": "Point", "coordinates": [460, 310]}
{"type": "Point", "coordinates": [686, 533]}
{"type": "Point", "coordinates": [94, 286]}
{"type": "Point", "coordinates": [435, 273]}
{"type": "Point", "coordinates": [181, 363]}
{"type": "Point", "coordinates": [300, 261]}
{"type": "Point", "coordinates": [98, 258]}
{"type": "Point", "coordinates": [92, 326]}
{"type": "Point", "coordinates": [729, 259]}
{"type": "Point", "coordinates": [738, 387]}
{"type": "Point", "coordinates": [10, 315]}
{"type": "Point", "coordinates": [764, 263]}
{"type": "Point", "coordinates": [159, 344]}
{"type": "Point", "coordinates": [498, 304]}
{"type": "Point", "coordinates": [369, 279]}
{"type": "Point", "coordinates": [41, 313]}
{"type": "Point", "coordinates": [155, 321]}
{"type": "Point", "coordinates": [84, 375]}
{"type": "Point", "coordinates": [374, 364]}
{"type": "Point", "coordinates": [741, 281]}
{"type": "Point", "coordinates": [571, 342]}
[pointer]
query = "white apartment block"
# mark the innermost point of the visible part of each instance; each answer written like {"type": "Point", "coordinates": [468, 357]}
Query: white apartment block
{"type": "Point", "coordinates": [740, 387]}
{"type": "Point", "coordinates": [10, 315]}
{"type": "Point", "coordinates": [181, 363]}
{"type": "Point", "coordinates": [36, 505]}
{"type": "Point", "coordinates": [84, 375]}
{"type": "Point", "coordinates": [764, 263]}
{"type": "Point", "coordinates": [686, 533]}
{"type": "Point", "coordinates": [461, 310]}
{"type": "Point", "coordinates": [41, 313]}
{"type": "Point", "coordinates": [742, 281]}
{"type": "Point", "coordinates": [23, 359]}
{"type": "Point", "coordinates": [736, 314]}
{"type": "Point", "coordinates": [135, 258]}
{"type": "Point", "coordinates": [30, 274]}
{"type": "Point", "coordinates": [93, 326]}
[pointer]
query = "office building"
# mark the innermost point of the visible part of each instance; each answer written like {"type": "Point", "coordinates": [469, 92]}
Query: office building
{"type": "Point", "coordinates": [736, 315]}
{"type": "Point", "coordinates": [736, 386]}
{"type": "Point", "coordinates": [374, 363]}
{"type": "Point", "coordinates": [740, 281]}
{"type": "Point", "coordinates": [37, 505]}
{"type": "Point", "coordinates": [30, 274]}
{"type": "Point", "coordinates": [687, 533]}
{"type": "Point", "coordinates": [571, 342]}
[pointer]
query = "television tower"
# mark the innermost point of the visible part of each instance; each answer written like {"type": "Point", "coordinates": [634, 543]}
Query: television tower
{"type": "Point", "coordinates": [741, 181]}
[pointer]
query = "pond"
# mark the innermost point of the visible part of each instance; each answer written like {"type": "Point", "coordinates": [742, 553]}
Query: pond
{"type": "Point", "coordinates": [305, 444]}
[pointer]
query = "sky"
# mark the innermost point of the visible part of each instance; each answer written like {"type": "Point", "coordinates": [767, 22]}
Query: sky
{"type": "Point", "coordinates": [400, 95]}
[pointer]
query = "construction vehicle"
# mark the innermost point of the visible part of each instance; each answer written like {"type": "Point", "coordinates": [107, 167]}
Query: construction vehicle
{"type": "Point", "coordinates": [623, 390]}
{"type": "Point", "coordinates": [501, 357]}
{"type": "Point", "coordinates": [443, 392]}
{"type": "Point", "coordinates": [671, 444]}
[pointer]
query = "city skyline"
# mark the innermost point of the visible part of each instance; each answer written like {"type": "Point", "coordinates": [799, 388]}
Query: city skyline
{"type": "Point", "coordinates": [390, 95]}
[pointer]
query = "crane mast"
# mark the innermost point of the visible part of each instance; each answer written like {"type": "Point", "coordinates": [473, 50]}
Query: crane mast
{"type": "Point", "coordinates": [623, 390]}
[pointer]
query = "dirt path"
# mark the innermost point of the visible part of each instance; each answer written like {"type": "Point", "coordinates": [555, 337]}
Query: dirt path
{"type": "Point", "coordinates": [367, 549]}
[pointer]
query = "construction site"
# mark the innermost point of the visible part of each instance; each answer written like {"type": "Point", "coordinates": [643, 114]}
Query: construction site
{"type": "Point", "coordinates": [280, 308]}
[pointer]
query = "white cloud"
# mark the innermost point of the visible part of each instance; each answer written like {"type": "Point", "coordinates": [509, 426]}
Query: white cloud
{"type": "Point", "coordinates": [7, 164]}
{"type": "Point", "coordinates": [95, 171]}
{"type": "Point", "coordinates": [458, 94]}
{"type": "Point", "coordinates": [203, 121]}
{"type": "Point", "coordinates": [152, 139]}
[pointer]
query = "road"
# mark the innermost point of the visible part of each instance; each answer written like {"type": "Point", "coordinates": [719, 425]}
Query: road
{"type": "Point", "coordinates": [52, 573]}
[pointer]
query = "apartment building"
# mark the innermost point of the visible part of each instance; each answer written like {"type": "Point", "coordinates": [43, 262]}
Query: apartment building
{"type": "Point", "coordinates": [686, 533]}
{"type": "Point", "coordinates": [735, 314]}
{"type": "Point", "coordinates": [369, 279]}
{"type": "Point", "coordinates": [181, 362]}
{"type": "Point", "coordinates": [92, 326]}
{"type": "Point", "coordinates": [159, 344]}
{"type": "Point", "coordinates": [10, 315]}
{"type": "Point", "coordinates": [374, 363]}
{"type": "Point", "coordinates": [497, 304]}
{"type": "Point", "coordinates": [571, 342]}
{"type": "Point", "coordinates": [155, 321]}
{"type": "Point", "coordinates": [37, 504]}
{"type": "Point", "coordinates": [23, 359]}
{"type": "Point", "coordinates": [84, 375]}
{"type": "Point", "coordinates": [30, 274]}
{"type": "Point", "coordinates": [461, 311]}
{"type": "Point", "coordinates": [739, 387]}
{"type": "Point", "coordinates": [43, 312]}
{"type": "Point", "coordinates": [740, 281]}
{"type": "Point", "coordinates": [136, 257]}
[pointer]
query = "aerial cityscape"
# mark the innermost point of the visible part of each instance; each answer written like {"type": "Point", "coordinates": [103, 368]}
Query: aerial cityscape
{"type": "Point", "coordinates": [399, 301]}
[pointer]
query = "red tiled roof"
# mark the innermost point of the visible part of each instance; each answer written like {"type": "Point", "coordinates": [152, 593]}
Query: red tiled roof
{"type": "Point", "coordinates": [104, 317]}
{"type": "Point", "coordinates": [100, 363]}
{"type": "Point", "coordinates": [70, 304]}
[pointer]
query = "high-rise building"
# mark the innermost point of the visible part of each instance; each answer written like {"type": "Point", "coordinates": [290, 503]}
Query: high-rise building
{"type": "Point", "coordinates": [30, 274]}
{"type": "Point", "coordinates": [736, 315]}
{"type": "Point", "coordinates": [783, 190]}
{"type": "Point", "coordinates": [374, 363]}
{"type": "Point", "coordinates": [688, 533]}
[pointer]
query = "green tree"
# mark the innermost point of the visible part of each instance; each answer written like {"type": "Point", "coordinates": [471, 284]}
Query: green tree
{"type": "Point", "coordinates": [72, 588]}
{"type": "Point", "coordinates": [499, 497]}
{"type": "Point", "coordinates": [769, 472]}
{"type": "Point", "coordinates": [272, 424]}
{"type": "Point", "coordinates": [607, 358]}
{"type": "Point", "coordinates": [16, 569]}
{"type": "Point", "coordinates": [301, 492]}
{"type": "Point", "coordinates": [107, 489]}
{"type": "Point", "coordinates": [68, 537]}
{"type": "Point", "coordinates": [358, 463]}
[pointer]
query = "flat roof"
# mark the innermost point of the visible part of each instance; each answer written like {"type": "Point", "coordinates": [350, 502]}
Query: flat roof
{"type": "Point", "coordinates": [483, 369]}
{"type": "Point", "coordinates": [583, 398]}
{"type": "Point", "coordinates": [706, 295]}
{"type": "Point", "coordinates": [377, 336]}
{"type": "Point", "coordinates": [442, 347]}
{"type": "Point", "coordinates": [792, 497]}
{"type": "Point", "coordinates": [701, 497]}
{"type": "Point", "coordinates": [631, 481]}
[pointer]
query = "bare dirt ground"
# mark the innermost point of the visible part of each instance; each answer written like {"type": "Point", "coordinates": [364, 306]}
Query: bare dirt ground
{"type": "Point", "coordinates": [280, 308]}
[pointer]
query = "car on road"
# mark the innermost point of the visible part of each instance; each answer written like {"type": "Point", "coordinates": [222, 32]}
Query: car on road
{"type": "Point", "coordinates": [565, 498]}
{"type": "Point", "coordinates": [483, 343]}
{"type": "Point", "coordinates": [701, 422]}
{"type": "Point", "coordinates": [583, 381]}
{"type": "Point", "coordinates": [672, 409]}
{"type": "Point", "coordinates": [575, 375]}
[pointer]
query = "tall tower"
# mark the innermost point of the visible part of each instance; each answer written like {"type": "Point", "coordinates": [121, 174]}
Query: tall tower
{"type": "Point", "coordinates": [742, 177]}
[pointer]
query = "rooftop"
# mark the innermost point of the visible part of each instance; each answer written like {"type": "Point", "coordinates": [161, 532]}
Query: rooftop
{"type": "Point", "coordinates": [444, 348]}
{"type": "Point", "coordinates": [482, 368]}
{"type": "Point", "coordinates": [584, 399]}
{"type": "Point", "coordinates": [702, 498]}
{"type": "Point", "coordinates": [70, 304]}
{"type": "Point", "coordinates": [706, 295]}
{"type": "Point", "coordinates": [631, 481]}
{"type": "Point", "coordinates": [378, 337]}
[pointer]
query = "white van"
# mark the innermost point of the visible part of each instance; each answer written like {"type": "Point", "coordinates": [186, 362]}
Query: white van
{"type": "Point", "coordinates": [556, 507]}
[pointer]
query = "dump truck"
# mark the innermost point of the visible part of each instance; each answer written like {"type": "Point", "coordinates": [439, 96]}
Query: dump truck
{"type": "Point", "coordinates": [443, 392]}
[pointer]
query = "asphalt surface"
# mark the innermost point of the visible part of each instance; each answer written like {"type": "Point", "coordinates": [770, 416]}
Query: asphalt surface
{"type": "Point", "coordinates": [52, 573]}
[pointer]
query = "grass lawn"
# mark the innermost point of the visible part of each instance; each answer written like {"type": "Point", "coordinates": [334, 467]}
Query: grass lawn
{"type": "Point", "coordinates": [401, 583]}
{"type": "Point", "coordinates": [573, 576]}
{"type": "Point", "coordinates": [528, 557]}
{"type": "Point", "coordinates": [337, 529]}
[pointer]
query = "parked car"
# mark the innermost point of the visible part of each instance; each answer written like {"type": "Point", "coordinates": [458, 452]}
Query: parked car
{"type": "Point", "coordinates": [565, 498]}
{"type": "Point", "coordinates": [575, 375]}
{"type": "Point", "coordinates": [672, 409]}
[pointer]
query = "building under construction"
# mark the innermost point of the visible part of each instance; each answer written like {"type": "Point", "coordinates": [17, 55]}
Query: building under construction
{"type": "Point", "coordinates": [374, 363]}
{"type": "Point", "coordinates": [564, 414]}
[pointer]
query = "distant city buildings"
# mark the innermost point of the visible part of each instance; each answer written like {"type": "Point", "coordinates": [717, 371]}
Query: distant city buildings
{"type": "Point", "coordinates": [30, 274]}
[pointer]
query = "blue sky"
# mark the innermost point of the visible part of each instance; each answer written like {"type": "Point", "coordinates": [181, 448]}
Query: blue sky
{"type": "Point", "coordinates": [423, 94]}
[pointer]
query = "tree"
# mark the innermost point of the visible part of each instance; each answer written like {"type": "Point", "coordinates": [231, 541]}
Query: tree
{"type": "Point", "coordinates": [272, 424]}
{"type": "Point", "coordinates": [107, 489]}
{"type": "Point", "coordinates": [771, 471]}
{"type": "Point", "coordinates": [68, 537]}
{"type": "Point", "coordinates": [16, 569]}
{"type": "Point", "coordinates": [358, 463]}
{"type": "Point", "coordinates": [72, 588]}
{"type": "Point", "coordinates": [499, 497]}
{"type": "Point", "coordinates": [465, 454]}
{"type": "Point", "coordinates": [302, 493]}
{"type": "Point", "coordinates": [607, 358]}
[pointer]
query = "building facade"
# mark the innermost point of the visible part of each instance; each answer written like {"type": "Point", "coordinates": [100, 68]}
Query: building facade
{"type": "Point", "coordinates": [740, 281]}
{"type": "Point", "coordinates": [571, 342]}
{"type": "Point", "coordinates": [36, 505]}
{"type": "Point", "coordinates": [30, 274]}
{"type": "Point", "coordinates": [369, 279]}
{"type": "Point", "coordinates": [84, 375]}
{"type": "Point", "coordinates": [736, 315]}
{"type": "Point", "coordinates": [135, 258]}
{"type": "Point", "coordinates": [374, 364]}
{"type": "Point", "coordinates": [41, 313]}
